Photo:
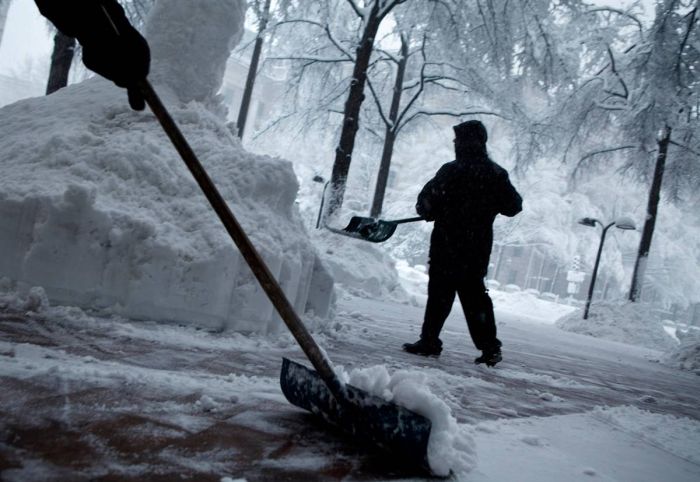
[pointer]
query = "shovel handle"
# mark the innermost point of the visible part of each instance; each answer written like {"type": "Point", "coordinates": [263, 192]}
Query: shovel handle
{"type": "Point", "coordinates": [405, 220]}
{"type": "Point", "coordinates": [239, 237]}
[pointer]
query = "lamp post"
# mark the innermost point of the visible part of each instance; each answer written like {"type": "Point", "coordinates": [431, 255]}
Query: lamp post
{"type": "Point", "coordinates": [623, 223]}
{"type": "Point", "coordinates": [320, 179]}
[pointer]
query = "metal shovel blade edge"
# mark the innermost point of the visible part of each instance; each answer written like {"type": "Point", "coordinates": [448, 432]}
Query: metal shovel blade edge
{"type": "Point", "coordinates": [369, 418]}
{"type": "Point", "coordinates": [370, 229]}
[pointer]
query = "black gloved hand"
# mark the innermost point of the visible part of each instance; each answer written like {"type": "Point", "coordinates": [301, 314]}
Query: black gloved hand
{"type": "Point", "coordinates": [118, 52]}
{"type": "Point", "coordinates": [112, 47]}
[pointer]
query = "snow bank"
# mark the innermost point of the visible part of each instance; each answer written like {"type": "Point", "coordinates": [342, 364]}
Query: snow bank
{"type": "Point", "coordinates": [451, 448]}
{"type": "Point", "coordinates": [414, 280]}
{"type": "Point", "coordinates": [687, 355]}
{"type": "Point", "coordinates": [528, 305]}
{"type": "Point", "coordinates": [677, 435]}
{"type": "Point", "coordinates": [631, 323]}
{"type": "Point", "coordinates": [98, 209]}
{"type": "Point", "coordinates": [33, 299]}
{"type": "Point", "coordinates": [361, 268]}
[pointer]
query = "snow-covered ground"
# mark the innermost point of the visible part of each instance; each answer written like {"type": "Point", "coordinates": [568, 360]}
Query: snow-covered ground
{"type": "Point", "coordinates": [87, 397]}
{"type": "Point", "coordinates": [96, 207]}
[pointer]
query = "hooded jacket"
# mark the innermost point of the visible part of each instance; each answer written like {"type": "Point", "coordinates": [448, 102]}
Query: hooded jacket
{"type": "Point", "coordinates": [463, 199]}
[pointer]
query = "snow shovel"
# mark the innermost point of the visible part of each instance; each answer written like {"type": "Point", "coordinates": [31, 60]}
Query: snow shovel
{"type": "Point", "coordinates": [372, 419]}
{"type": "Point", "coordinates": [370, 229]}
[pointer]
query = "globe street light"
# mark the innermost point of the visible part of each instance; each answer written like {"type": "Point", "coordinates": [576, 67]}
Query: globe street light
{"type": "Point", "coordinates": [623, 223]}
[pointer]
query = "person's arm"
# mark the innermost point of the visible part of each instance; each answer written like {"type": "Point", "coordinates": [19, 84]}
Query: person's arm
{"type": "Point", "coordinates": [428, 203]}
{"type": "Point", "coordinates": [511, 201]}
{"type": "Point", "coordinates": [112, 47]}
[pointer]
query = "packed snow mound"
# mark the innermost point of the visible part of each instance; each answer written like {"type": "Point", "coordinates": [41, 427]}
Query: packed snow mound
{"type": "Point", "coordinates": [32, 299]}
{"type": "Point", "coordinates": [676, 435]}
{"type": "Point", "coordinates": [451, 448]}
{"type": "Point", "coordinates": [190, 43]}
{"type": "Point", "coordinates": [687, 355]}
{"type": "Point", "coordinates": [359, 267]}
{"type": "Point", "coordinates": [631, 323]}
{"type": "Point", "coordinates": [98, 209]}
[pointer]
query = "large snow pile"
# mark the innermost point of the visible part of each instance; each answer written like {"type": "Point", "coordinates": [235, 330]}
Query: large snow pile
{"type": "Point", "coordinates": [97, 208]}
{"type": "Point", "coordinates": [687, 355]}
{"type": "Point", "coordinates": [359, 267]}
{"type": "Point", "coordinates": [451, 448]}
{"type": "Point", "coordinates": [191, 42]}
{"type": "Point", "coordinates": [631, 323]}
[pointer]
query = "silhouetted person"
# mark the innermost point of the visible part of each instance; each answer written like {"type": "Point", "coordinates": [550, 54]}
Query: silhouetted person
{"type": "Point", "coordinates": [463, 199]}
{"type": "Point", "coordinates": [112, 47]}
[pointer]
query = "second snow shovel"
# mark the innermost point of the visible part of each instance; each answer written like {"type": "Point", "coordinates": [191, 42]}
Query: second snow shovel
{"type": "Point", "coordinates": [372, 419]}
{"type": "Point", "coordinates": [370, 229]}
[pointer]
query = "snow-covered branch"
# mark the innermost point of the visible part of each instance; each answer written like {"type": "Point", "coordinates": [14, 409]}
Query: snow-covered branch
{"type": "Point", "coordinates": [448, 113]}
{"type": "Point", "coordinates": [692, 15]}
{"type": "Point", "coordinates": [386, 6]}
{"type": "Point", "coordinates": [312, 59]}
{"type": "Point", "coordinates": [684, 147]}
{"type": "Point", "coordinates": [621, 13]}
{"type": "Point", "coordinates": [582, 161]}
{"type": "Point", "coordinates": [378, 102]}
{"type": "Point", "coordinates": [416, 94]}
{"type": "Point", "coordinates": [328, 33]}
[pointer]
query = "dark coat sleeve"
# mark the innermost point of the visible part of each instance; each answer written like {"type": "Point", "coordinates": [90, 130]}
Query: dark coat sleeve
{"type": "Point", "coordinates": [82, 19]}
{"type": "Point", "coordinates": [112, 47]}
{"type": "Point", "coordinates": [428, 204]}
{"type": "Point", "coordinates": [511, 203]}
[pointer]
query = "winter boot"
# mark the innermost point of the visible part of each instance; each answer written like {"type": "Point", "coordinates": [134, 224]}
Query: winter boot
{"type": "Point", "coordinates": [424, 348]}
{"type": "Point", "coordinates": [490, 357]}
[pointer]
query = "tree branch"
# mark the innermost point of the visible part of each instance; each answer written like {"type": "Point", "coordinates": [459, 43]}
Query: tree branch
{"type": "Point", "coordinates": [377, 102]}
{"type": "Point", "coordinates": [621, 13]}
{"type": "Point", "coordinates": [448, 113]}
{"type": "Point", "coordinates": [684, 147]}
{"type": "Point", "coordinates": [605, 151]}
{"type": "Point", "coordinates": [356, 8]}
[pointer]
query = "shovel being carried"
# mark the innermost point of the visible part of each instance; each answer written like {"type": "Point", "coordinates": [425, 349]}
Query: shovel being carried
{"type": "Point", "coordinates": [370, 418]}
{"type": "Point", "coordinates": [371, 229]}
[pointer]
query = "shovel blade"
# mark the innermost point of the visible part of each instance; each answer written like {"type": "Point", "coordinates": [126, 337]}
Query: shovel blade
{"type": "Point", "coordinates": [369, 418]}
{"type": "Point", "coordinates": [370, 229]}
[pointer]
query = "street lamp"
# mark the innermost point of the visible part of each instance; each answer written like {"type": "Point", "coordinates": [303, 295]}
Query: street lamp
{"type": "Point", "coordinates": [320, 179]}
{"type": "Point", "coordinates": [623, 223]}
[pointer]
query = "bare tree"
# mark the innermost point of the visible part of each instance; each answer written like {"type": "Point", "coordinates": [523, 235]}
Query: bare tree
{"type": "Point", "coordinates": [431, 77]}
{"type": "Point", "coordinates": [372, 15]}
{"type": "Point", "coordinates": [4, 8]}
{"type": "Point", "coordinates": [263, 15]}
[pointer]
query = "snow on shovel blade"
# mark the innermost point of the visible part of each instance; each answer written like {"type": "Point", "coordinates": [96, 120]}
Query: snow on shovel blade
{"type": "Point", "coordinates": [374, 230]}
{"type": "Point", "coordinates": [370, 418]}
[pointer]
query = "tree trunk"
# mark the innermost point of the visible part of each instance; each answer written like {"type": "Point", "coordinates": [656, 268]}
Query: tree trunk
{"type": "Point", "coordinates": [61, 60]}
{"type": "Point", "coordinates": [343, 153]}
{"type": "Point", "coordinates": [390, 134]}
{"type": "Point", "coordinates": [252, 71]}
{"type": "Point", "coordinates": [4, 7]}
{"type": "Point", "coordinates": [652, 207]}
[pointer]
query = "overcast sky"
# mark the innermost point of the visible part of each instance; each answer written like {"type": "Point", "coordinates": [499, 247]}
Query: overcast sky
{"type": "Point", "coordinates": [26, 36]}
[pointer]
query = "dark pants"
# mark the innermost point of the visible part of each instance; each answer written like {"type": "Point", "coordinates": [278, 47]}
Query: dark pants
{"type": "Point", "coordinates": [477, 306]}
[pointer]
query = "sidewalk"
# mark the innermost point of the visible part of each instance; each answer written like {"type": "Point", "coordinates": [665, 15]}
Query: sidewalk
{"type": "Point", "coordinates": [91, 399]}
